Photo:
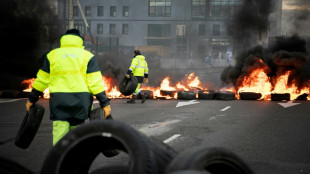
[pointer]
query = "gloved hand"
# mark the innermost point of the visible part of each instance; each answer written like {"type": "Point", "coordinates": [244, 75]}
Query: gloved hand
{"type": "Point", "coordinates": [127, 76]}
{"type": "Point", "coordinates": [107, 111]}
{"type": "Point", "coordinates": [146, 80]}
{"type": "Point", "coordinates": [28, 105]}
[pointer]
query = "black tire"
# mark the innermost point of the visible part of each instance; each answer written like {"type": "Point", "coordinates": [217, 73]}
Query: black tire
{"type": "Point", "coordinates": [225, 95]}
{"type": "Point", "coordinates": [8, 166]}
{"type": "Point", "coordinates": [214, 160]}
{"type": "Point", "coordinates": [302, 97]}
{"type": "Point", "coordinates": [250, 95]}
{"type": "Point", "coordinates": [190, 172]}
{"type": "Point", "coordinates": [206, 94]}
{"type": "Point", "coordinates": [29, 126]}
{"type": "Point", "coordinates": [98, 113]}
{"type": "Point", "coordinates": [149, 94]}
{"type": "Point", "coordinates": [186, 95]}
{"type": "Point", "coordinates": [167, 93]}
{"type": "Point", "coordinates": [164, 153]}
{"type": "Point", "coordinates": [280, 96]}
{"type": "Point", "coordinates": [75, 152]}
{"type": "Point", "coordinates": [111, 170]}
{"type": "Point", "coordinates": [128, 86]}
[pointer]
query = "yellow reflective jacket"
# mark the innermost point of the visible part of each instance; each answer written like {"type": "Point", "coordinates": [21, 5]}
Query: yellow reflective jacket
{"type": "Point", "coordinates": [138, 66]}
{"type": "Point", "coordinates": [73, 77]}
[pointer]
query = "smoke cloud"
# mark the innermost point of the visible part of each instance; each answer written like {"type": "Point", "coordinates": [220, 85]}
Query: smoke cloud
{"type": "Point", "coordinates": [285, 54]}
{"type": "Point", "coordinates": [26, 33]}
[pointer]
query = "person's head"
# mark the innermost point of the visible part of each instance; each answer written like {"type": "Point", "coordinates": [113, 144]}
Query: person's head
{"type": "Point", "coordinates": [75, 32]}
{"type": "Point", "coordinates": [137, 52]}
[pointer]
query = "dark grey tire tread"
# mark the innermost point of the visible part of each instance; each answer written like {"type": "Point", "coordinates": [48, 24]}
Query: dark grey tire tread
{"type": "Point", "coordinates": [215, 160]}
{"type": "Point", "coordinates": [280, 96]}
{"type": "Point", "coordinates": [75, 152]}
{"type": "Point", "coordinates": [128, 86]}
{"type": "Point", "coordinates": [187, 95]}
{"type": "Point", "coordinates": [29, 126]}
{"type": "Point", "coordinates": [225, 95]}
{"type": "Point", "coordinates": [206, 94]}
{"type": "Point", "coordinates": [250, 95]}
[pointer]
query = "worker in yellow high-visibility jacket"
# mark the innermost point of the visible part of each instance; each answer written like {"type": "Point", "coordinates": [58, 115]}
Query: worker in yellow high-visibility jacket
{"type": "Point", "coordinates": [140, 70]}
{"type": "Point", "coordinates": [73, 77]}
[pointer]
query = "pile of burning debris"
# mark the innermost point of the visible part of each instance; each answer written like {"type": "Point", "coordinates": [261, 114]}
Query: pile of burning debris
{"type": "Point", "coordinates": [255, 85]}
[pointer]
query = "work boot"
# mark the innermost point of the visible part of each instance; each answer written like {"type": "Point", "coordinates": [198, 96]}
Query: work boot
{"type": "Point", "coordinates": [143, 96]}
{"type": "Point", "coordinates": [133, 99]}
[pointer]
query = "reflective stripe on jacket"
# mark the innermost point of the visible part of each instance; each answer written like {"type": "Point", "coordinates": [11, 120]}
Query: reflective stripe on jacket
{"type": "Point", "coordinates": [139, 66]}
{"type": "Point", "coordinates": [73, 77]}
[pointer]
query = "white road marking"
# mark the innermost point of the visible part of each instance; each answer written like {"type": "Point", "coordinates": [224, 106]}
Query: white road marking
{"type": "Point", "coordinates": [7, 101]}
{"type": "Point", "coordinates": [186, 103]}
{"type": "Point", "coordinates": [224, 109]}
{"type": "Point", "coordinates": [172, 138]}
{"type": "Point", "coordinates": [288, 104]}
{"type": "Point", "coordinates": [212, 118]}
{"type": "Point", "coordinates": [158, 128]}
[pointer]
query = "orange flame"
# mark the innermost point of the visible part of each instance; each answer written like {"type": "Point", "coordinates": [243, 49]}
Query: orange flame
{"type": "Point", "coordinates": [282, 86]}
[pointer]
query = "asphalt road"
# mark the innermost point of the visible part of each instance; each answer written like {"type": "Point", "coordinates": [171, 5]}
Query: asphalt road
{"type": "Point", "coordinates": [270, 137]}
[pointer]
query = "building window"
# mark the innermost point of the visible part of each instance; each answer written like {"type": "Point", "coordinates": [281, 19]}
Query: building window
{"type": "Point", "coordinates": [125, 29]}
{"type": "Point", "coordinates": [216, 29]}
{"type": "Point", "coordinates": [75, 11]}
{"type": "Point", "coordinates": [99, 28]}
{"type": "Point", "coordinates": [125, 11]}
{"type": "Point", "coordinates": [199, 9]}
{"type": "Point", "coordinates": [113, 11]}
{"type": "Point", "coordinates": [202, 29]}
{"type": "Point", "coordinates": [180, 30]}
{"type": "Point", "coordinates": [100, 11]}
{"type": "Point", "coordinates": [160, 8]}
{"type": "Point", "coordinates": [224, 8]}
{"type": "Point", "coordinates": [159, 34]}
{"type": "Point", "coordinates": [112, 28]}
{"type": "Point", "coordinates": [87, 10]}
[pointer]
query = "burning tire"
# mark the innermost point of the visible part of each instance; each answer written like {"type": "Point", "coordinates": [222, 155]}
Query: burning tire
{"type": "Point", "coordinates": [29, 126]}
{"type": "Point", "coordinates": [69, 155]}
{"type": "Point", "coordinates": [214, 160]}
{"type": "Point", "coordinates": [186, 95]}
{"type": "Point", "coordinates": [8, 166]}
{"type": "Point", "coordinates": [128, 86]}
{"type": "Point", "coordinates": [206, 94]}
{"type": "Point", "coordinates": [250, 95]}
{"type": "Point", "coordinates": [280, 96]}
{"type": "Point", "coordinates": [302, 97]}
{"type": "Point", "coordinates": [149, 94]}
{"type": "Point", "coordinates": [225, 95]}
{"type": "Point", "coordinates": [167, 93]}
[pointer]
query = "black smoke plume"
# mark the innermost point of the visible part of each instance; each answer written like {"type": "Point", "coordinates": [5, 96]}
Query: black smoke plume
{"type": "Point", "coordinates": [285, 54]}
{"type": "Point", "coordinates": [28, 29]}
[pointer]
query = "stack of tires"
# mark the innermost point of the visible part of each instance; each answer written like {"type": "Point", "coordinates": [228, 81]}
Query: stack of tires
{"type": "Point", "coordinates": [75, 152]}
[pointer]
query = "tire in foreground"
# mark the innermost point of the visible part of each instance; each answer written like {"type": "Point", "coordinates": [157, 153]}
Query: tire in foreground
{"type": "Point", "coordinates": [29, 126]}
{"type": "Point", "coordinates": [76, 151]}
{"type": "Point", "coordinates": [214, 160]}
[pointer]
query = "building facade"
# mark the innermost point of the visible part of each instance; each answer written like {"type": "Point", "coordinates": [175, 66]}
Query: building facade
{"type": "Point", "coordinates": [178, 29]}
